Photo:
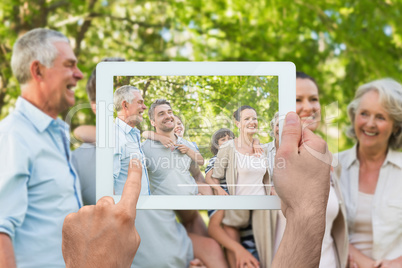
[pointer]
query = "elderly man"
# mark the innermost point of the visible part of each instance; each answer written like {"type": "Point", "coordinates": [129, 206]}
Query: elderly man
{"type": "Point", "coordinates": [38, 185]}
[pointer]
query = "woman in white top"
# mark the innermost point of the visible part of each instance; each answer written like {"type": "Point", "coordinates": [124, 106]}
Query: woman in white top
{"type": "Point", "coordinates": [246, 173]}
{"type": "Point", "coordinates": [334, 247]}
{"type": "Point", "coordinates": [371, 175]}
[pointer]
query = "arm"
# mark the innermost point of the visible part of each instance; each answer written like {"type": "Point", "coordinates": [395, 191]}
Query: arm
{"type": "Point", "coordinates": [7, 258]}
{"type": "Point", "coordinates": [395, 263]}
{"type": "Point", "coordinates": [303, 186]}
{"type": "Point", "coordinates": [203, 188]}
{"type": "Point", "coordinates": [85, 134]}
{"type": "Point", "coordinates": [359, 258]}
{"type": "Point", "coordinates": [217, 232]}
{"type": "Point", "coordinates": [257, 149]}
{"type": "Point", "coordinates": [194, 155]}
{"type": "Point", "coordinates": [14, 174]}
{"type": "Point", "coordinates": [192, 221]}
{"type": "Point", "coordinates": [214, 183]}
{"type": "Point", "coordinates": [151, 135]}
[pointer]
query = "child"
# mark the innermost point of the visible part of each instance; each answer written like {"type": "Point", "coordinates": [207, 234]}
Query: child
{"type": "Point", "coordinates": [239, 243]}
{"type": "Point", "coordinates": [220, 137]}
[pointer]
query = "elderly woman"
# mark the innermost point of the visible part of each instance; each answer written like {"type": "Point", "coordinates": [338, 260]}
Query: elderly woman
{"type": "Point", "coordinates": [371, 175]}
{"type": "Point", "coordinates": [334, 251]}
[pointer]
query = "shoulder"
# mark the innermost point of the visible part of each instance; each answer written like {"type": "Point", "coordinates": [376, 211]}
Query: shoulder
{"type": "Point", "coordinates": [346, 156]}
{"type": "Point", "coordinates": [226, 149]}
{"type": "Point", "coordinates": [147, 143]}
{"type": "Point", "coordinates": [84, 150]}
{"type": "Point", "coordinates": [395, 157]}
{"type": "Point", "coordinates": [18, 130]}
{"type": "Point", "coordinates": [227, 145]}
{"type": "Point", "coordinates": [15, 123]}
{"type": "Point", "coordinates": [187, 143]}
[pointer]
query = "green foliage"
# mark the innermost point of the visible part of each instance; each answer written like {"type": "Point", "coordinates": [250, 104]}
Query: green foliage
{"type": "Point", "coordinates": [206, 103]}
{"type": "Point", "coordinates": [342, 43]}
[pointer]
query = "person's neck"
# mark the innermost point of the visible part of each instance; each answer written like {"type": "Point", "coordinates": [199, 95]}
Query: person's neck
{"type": "Point", "coordinates": [169, 134]}
{"type": "Point", "coordinates": [372, 156]}
{"type": "Point", "coordinates": [245, 141]}
{"type": "Point", "coordinates": [123, 118]}
{"type": "Point", "coordinates": [38, 100]}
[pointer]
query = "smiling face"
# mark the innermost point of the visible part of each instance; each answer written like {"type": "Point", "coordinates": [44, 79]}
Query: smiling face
{"type": "Point", "coordinates": [373, 125]}
{"type": "Point", "coordinates": [307, 103]}
{"type": "Point", "coordinates": [179, 127]}
{"type": "Point", "coordinates": [248, 123]}
{"type": "Point", "coordinates": [164, 119]}
{"type": "Point", "coordinates": [134, 110]}
{"type": "Point", "coordinates": [58, 81]}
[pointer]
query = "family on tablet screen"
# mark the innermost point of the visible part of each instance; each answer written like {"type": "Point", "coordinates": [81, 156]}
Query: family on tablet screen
{"type": "Point", "coordinates": [349, 215]}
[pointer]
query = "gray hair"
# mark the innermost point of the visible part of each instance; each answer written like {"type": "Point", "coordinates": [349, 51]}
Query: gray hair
{"type": "Point", "coordinates": [390, 93]}
{"type": "Point", "coordinates": [272, 124]}
{"type": "Point", "coordinates": [151, 111]}
{"type": "Point", "coordinates": [124, 93]}
{"type": "Point", "coordinates": [37, 44]}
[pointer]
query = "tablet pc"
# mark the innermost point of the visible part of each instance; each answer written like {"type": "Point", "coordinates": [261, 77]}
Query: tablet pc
{"type": "Point", "coordinates": [273, 85]}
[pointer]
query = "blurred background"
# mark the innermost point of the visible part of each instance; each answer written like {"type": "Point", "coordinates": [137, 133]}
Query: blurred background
{"type": "Point", "coordinates": [341, 43]}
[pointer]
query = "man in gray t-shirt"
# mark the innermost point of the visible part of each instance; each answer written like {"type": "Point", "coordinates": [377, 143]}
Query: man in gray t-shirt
{"type": "Point", "coordinates": [175, 172]}
{"type": "Point", "coordinates": [169, 170]}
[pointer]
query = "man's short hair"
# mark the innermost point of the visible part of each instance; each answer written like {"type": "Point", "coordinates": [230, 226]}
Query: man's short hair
{"type": "Point", "coordinates": [123, 93]}
{"type": "Point", "coordinates": [151, 111]}
{"type": "Point", "coordinates": [37, 44]}
{"type": "Point", "coordinates": [91, 84]}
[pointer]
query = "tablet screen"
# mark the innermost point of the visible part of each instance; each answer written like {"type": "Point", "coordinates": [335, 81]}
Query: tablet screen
{"type": "Point", "coordinates": [184, 130]}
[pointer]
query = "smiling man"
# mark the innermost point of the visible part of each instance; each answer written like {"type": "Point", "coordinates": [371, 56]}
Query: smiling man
{"type": "Point", "coordinates": [38, 185]}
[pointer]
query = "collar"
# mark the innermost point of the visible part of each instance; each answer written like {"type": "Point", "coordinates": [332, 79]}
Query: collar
{"type": "Point", "coordinates": [393, 157]}
{"type": "Point", "coordinates": [38, 118]}
{"type": "Point", "coordinates": [125, 127]}
{"type": "Point", "coordinates": [272, 146]}
{"type": "Point", "coordinates": [351, 156]}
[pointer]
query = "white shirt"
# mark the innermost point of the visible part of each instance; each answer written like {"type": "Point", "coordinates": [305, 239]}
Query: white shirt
{"type": "Point", "coordinates": [251, 170]}
{"type": "Point", "coordinates": [387, 201]}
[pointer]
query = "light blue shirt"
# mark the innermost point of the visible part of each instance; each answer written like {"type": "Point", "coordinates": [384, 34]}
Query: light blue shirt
{"type": "Point", "coordinates": [127, 147]}
{"type": "Point", "coordinates": [38, 185]}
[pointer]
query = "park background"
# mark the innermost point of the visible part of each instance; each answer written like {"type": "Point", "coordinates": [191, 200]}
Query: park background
{"type": "Point", "coordinates": [341, 43]}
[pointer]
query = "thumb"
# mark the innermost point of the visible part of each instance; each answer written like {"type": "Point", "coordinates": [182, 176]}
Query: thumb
{"type": "Point", "coordinates": [291, 135]}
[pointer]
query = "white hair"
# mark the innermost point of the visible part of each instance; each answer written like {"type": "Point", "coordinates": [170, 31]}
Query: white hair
{"type": "Point", "coordinates": [37, 44]}
{"type": "Point", "coordinates": [124, 93]}
{"type": "Point", "coordinates": [390, 95]}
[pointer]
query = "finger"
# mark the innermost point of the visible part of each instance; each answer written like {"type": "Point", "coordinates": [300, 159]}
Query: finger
{"type": "Point", "coordinates": [105, 201]}
{"type": "Point", "coordinates": [132, 187]}
{"type": "Point", "coordinates": [378, 263]}
{"type": "Point", "coordinates": [291, 135]}
{"type": "Point", "coordinates": [315, 146]}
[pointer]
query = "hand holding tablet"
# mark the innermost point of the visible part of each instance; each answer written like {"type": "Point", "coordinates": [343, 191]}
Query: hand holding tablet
{"type": "Point", "coordinates": [104, 235]}
{"type": "Point", "coordinates": [98, 235]}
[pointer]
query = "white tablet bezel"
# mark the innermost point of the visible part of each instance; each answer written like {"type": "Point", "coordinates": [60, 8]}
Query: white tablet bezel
{"type": "Point", "coordinates": [105, 71]}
